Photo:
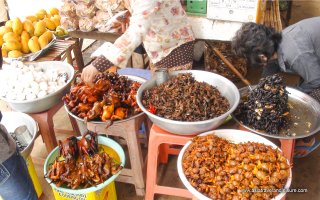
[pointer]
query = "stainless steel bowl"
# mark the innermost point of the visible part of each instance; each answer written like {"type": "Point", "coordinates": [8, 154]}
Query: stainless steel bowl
{"type": "Point", "coordinates": [44, 103]}
{"type": "Point", "coordinates": [12, 120]}
{"type": "Point", "coordinates": [304, 111]}
{"type": "Point", "coordinates": [226, 88]}
{"type": "Point", "coordinates": [81, 122]}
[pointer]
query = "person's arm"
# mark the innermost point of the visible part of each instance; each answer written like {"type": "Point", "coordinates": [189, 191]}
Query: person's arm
{"type": "Point", "coordinates": [120, 52]}
{"type": "Point", "coordinates": [307, 65]}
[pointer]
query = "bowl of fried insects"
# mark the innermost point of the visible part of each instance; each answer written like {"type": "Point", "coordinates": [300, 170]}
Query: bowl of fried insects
{"type": "Point", "coordinates": [233, 164]}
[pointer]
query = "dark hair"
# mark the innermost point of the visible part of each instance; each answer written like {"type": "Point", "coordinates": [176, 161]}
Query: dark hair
{"type": "Point", "coordinates": [253, 39]}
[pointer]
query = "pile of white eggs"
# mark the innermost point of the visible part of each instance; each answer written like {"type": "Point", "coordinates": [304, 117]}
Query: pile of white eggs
{"type": "Point", "coordinates": [28, 82]}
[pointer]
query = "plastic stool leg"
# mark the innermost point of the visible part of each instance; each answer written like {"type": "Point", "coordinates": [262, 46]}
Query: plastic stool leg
{"type": "Point", "coordinates": [164, 153]}
{"type": "Point", "coordinates": [151, 167]}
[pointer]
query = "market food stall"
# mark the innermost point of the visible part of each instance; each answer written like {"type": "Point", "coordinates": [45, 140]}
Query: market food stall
{"type": "Point", "coordinates": [200, 111]}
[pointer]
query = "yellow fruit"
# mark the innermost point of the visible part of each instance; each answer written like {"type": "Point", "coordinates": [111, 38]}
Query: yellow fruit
{"type": "Point", "coordinates": [28, 26]}
{"type": "Point", "coordinates": [14, 54]}
{"type": "Point", "coordinates": [4, 52]}
{"type": "Point", "coordinates": [24, 46]}
{"type": "Point", "coordinates": [1, 41]}
{"type": "Point", "coordinates": [40, 28]}
{"type": "Point", "coordinates": [43, 11]}
{"type": "Point", "coordinates": [54, 11]}
{"type": "Point", "coordinates": [33, 44]}
{"type": "Point", "coordinates": [45, 38]}
{"type": "Point", "coordinates": [40, 15]}
{"type": "Point", "coordinates": [32, 18]}
{"type": "Point", "coordinates": [9, 24]}
{"type": "Point", "coordinates": [25, 35]}
{"type": "Point", "coordinates": [50, 24]}
{"type": "Point", "coordinates": [57, 16]}
{"type": "Point", "coordinates": [4, 30]}
{"type": "Point", "coordinates": [13, 45]}
{"type": "Point", "coordinates": [17, 26]}
{"type": "Point", "coordinates": [56, 20]}
{"type": "Point", "coordinates": [11, 36]}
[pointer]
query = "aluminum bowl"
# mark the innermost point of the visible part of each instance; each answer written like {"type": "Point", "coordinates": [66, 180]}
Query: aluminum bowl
{"type": "Point", "coordinates": [305, 109]}
{"type": "Point", "coordinates": [81, 121]}
{"type": "Point", "coordinates": [226, 88]}
{"type": "Point", "coordinates": [234, 136]}
{"type": "Point", "coordinates": [12, 120]}
{"type": "Point", "coordinates": [46, 102]}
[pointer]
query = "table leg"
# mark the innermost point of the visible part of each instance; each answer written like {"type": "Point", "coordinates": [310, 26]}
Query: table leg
{"type": "Point", "coordinates": [78, 54]}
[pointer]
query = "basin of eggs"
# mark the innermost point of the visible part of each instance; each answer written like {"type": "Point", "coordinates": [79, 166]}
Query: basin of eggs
{"type": "Point", "coordinates": [28, 82]}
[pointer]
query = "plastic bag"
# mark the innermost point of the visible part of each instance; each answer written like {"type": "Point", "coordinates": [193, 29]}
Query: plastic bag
{"type": "Point", "coordinates": [86, 2]}
{"type": "Point", "coordinates": [117, 24]}
{"type": "Point", "coordinates": [110, 5]}
{"type": "Point", "coordinates": [87, 24]}
{"type": "Point", "coordinates": [70, 23]}
{"type": "Point", "coordinates": [84, 10]}
{"type": "Point", "coordinates": [102, 16]}
{"type": "Point", "coordinates": [68, 9]}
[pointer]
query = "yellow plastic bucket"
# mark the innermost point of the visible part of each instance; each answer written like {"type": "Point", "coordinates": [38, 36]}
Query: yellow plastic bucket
{"type": "Point", "coordinates": [33, 175]}
{"type": "Point", "coordinates": [103, 191]}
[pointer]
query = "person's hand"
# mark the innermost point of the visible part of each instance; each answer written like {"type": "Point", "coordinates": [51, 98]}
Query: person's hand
{"type": "Point", "coordinates": [88, 74]}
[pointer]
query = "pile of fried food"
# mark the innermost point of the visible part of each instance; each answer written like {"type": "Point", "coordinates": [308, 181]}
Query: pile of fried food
{"type": "Point", "coordinates": [80, 163]}
{"type": "Point", "coordinates": [112, 97]}
{"type": "Point", "coordinates": [223, 170]}
{"type": "Point", "coordinates": [266, 107]}
{"type": "Point", "coordinates": [182, 98]}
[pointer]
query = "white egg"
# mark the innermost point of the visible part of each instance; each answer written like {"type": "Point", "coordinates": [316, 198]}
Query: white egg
{"type": "Point", "coordinates": [21, 96]}
{"type": "Point", "coordinates": [31, 96]}
{"type": "Point", "coordinates": [51, 83]}
{"type": "Point", "coordinates": [43, 86]}
{"type": "Point", "coordinates": [38, 69]}
{"type": "Point", "coordinates": [31, 67]}
{"type": "Point", "coordinates": [34, 85]}
{"type": "Point", "coordinates": [11, 95]}
{"type": "Point", "coordinates": [42, 93]}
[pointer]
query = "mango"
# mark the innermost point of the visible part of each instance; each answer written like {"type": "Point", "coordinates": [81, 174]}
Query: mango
{"type": "Point", "coordinates": [9, 24]}
{"type": "Point", "coordinates": [45, 38]}
{"type": "Point", "coordinates": [17, 26]}
{"type": "Point", "coordinates": [13, 45]}
{"type": "Point", "coordinates": [43, 11]}
{"type": "Point", "coordinates": [4, 53]}
{"type": "Point", "coordinates": [4, 30]}
{"type": "Point", "coordinates": [1, 41]}
{"type": "Point", "coordinates": [40, 28]}
{"type": "Point", "coordinates": [33, 44]}
{"type": "Point", "coordinates": [56, 20]}
{"type": "Point", "coordinates": [28, 26]}
{"type": "Point", "coordinates": [32, 18]}
{"type": "Point", "coordinates": [50, 24]}
{"type": "Point", "coordinates": [14, 54]}
{"type": "Point", "coordinates": [24, 46]}
{"type": "Point", "coordinates": [11, 36]}
{"type": "Point", "coordinates": [40, 15]}
{"type": "Point", "coordinates": [54, 11]}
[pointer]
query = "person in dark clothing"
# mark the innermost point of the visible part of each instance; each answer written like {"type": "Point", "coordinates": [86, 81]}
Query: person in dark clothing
{"type": "Point", "coordinates": [295, 50]}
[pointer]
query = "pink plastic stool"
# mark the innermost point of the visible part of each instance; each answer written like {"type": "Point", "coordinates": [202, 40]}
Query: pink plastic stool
{"type": "Point", "coordinates": [159, 145]}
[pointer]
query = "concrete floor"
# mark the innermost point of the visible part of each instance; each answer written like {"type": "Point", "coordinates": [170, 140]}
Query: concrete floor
{"type": "Point", "coordinates": [306, 171]}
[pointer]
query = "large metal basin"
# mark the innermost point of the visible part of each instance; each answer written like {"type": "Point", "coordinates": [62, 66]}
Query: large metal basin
{"type": "Point", "coordinates": [304, 111]}
{"type": "Point", "coordinates": [226, 88]}
{"type": "Point", "coordinates": [44, 103]}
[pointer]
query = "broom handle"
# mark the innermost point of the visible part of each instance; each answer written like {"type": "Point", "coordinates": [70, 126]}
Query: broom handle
{"type": "Point", "coordinates": [231, 67]}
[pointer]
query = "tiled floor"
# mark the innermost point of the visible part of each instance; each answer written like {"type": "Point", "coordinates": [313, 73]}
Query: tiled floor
{"type": "Point", "coordinates": [306, 171]}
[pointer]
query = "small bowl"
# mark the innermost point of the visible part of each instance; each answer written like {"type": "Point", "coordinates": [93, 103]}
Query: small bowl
{"type": "Point", "coordinates": [234, 136]}
{"type": "Point", "coordinates": [12, 120]}
{"type": "Point", "coordinates": [225, 87]}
